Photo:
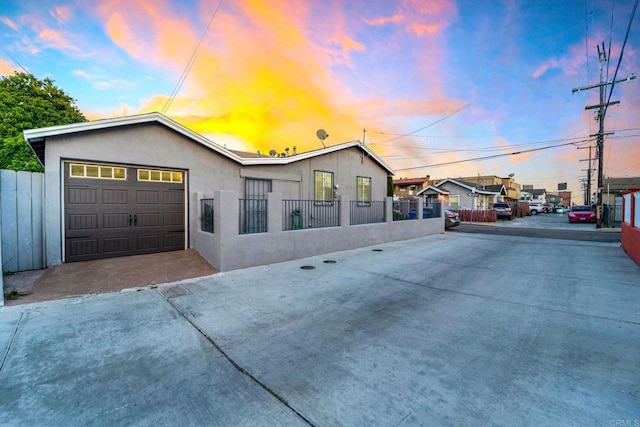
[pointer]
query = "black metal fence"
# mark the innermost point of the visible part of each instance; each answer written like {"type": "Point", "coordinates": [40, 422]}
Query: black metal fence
{"type": "Point", "coordinates": [402, 209]}
{"type": "Point", "coordinates": [612, 215]}
{"type": "Point", "coordinates": [253, 216]}
{"type": "Point", "coordinates": [367, 213]}
{"type": "Point", "coordinates": [300, 214]}
{"type": "Point", "coordinates": [206, 215]}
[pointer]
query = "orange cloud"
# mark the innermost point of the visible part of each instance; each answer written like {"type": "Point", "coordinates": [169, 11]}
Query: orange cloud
{"type": "Point", "coordinates": [6, 68]}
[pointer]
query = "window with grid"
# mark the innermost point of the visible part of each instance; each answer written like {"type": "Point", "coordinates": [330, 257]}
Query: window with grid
{"type": "Point", "coordinates": [364, 190]}
{"type": "Point", "coordinates": [323, 186]}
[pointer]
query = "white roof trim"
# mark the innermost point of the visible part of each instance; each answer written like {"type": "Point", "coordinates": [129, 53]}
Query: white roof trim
{"type": "Point", "coordinates": [42, 133]}
{"type": "Point", "coordinates": [433, 188]}
{"type": "Point", "coordinates": [460, 184]}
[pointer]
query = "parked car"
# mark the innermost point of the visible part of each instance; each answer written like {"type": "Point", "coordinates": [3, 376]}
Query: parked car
{"type": "Point", "coordinates": [503, 210]}
{"type": "Point", "coordinates": [559, 209]}
{"type": "Point", "coordinates": [426, 213]}
{"type": "Point", "coordinates": [536, 208]}
{"type": "Point", "coordinates": [581, 213]}
{"type": "Point", "coordinates": [451, 219]}
{"type": "Point", "coordinates": [548, 207]}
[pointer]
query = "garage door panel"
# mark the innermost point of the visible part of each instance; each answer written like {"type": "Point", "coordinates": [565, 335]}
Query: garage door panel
{"type": "Point", "coordinates": [82, 222]}
{"type": "Point", "coordinates": [146, 242]}
{"type": "Point", "coordinates": [82, 196]}
{"type": "Point", "coordinates": [148, 219]}
{"type": "Point", "coordinates": [147, 197]}
{"type": "Point", "coordinates": [173, 197]}
{"type": "Point", "coordinates": [173, 219]}
{"type": "Point", "coordinates": [82, 248]}
{"type": "Point", "coordinates": [115, 245]}
{"type": "Point", "coordinates": [174, 240]}
{"type": "Point", "coordinates": [111, 196]}
{"type": "Point", "coordinates": [111, 217]}
{"type": "Point", "coordinates": [115, 220]}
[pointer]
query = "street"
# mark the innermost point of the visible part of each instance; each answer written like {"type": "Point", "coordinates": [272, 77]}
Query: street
{"type": "Point", "coordinates": [456, 328]}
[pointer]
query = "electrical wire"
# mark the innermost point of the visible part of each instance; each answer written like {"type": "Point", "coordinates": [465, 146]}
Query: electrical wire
{"type": "Point", "coordinates": [190, 63]}
{"type": "Point", "coordinates": [626, 37]}
{"type": "Point", "coordinates": [493, 156]}
{"type": "Point", "coordinates": [427, 126]}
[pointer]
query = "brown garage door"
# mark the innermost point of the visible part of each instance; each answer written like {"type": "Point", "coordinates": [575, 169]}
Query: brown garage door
{"type": "Point", "coordinates": [119, 211]}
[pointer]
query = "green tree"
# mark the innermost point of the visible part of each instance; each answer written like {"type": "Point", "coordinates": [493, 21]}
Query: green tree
{"type": "Point", "coordinates": [29, 103]}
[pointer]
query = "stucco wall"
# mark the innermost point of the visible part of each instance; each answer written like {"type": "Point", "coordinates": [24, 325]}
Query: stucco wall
{"type": "Point", "coordinates": [154, 145]}
{"type": "Point", "coordinates": [227, 250]}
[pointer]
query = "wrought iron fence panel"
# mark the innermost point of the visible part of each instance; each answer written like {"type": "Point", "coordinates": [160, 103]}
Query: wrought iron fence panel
{"type": "Point", "coordinates": [253, 216]}
{"type": "Point", "coordinates": [432, 210]}
{"type": "Point", "coordinates": [404, 209]}
{"type": "Point", "coordinates": [300, 214]}
{"type": "Point", "coordinates": [367, 213]}
{"type": "Point", "coordinates": [206, 215]}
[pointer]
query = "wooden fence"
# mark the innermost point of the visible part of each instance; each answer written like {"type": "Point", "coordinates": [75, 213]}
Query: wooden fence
{"type": "Point", "coordinates": [469, 215]}
{"type": "Point", "coordinates": [21, 221]}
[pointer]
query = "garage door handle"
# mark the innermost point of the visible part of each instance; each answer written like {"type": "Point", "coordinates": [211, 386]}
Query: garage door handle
{"type": "Point", "coordinates": [135, 219]}
{"type": "Point", "coordinates": [130, 219]}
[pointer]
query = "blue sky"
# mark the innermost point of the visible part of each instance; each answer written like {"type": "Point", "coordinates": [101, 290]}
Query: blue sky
{"type": "Point", "coordinates": [432, 82]}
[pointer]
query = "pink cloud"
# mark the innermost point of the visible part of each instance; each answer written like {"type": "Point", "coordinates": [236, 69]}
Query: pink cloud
{"type": "Point", "coordinates": [9, 23]}
{"type": "Point", "coordinates": [395, 19]}
{"type": "Point", "coordinates": [55, 39]}
{"type": "Point", "coordinates": [552, 63]}
{"type": "Point", "coordinates": [62, 14]}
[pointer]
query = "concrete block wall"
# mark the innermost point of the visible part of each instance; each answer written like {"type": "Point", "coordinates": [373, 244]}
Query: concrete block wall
{"type": "Point", "coordinates": [228, 250]}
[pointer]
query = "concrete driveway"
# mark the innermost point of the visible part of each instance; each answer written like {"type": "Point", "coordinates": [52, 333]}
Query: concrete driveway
{"type": "Point", "coordinates": [449, 329]}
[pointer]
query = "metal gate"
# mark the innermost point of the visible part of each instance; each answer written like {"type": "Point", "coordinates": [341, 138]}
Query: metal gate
{"type": "Point", "coordinates": [253, 208]}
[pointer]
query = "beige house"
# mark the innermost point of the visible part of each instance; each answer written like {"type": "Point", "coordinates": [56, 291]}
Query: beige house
{"type": "Point", "coordinates": [143, 184]}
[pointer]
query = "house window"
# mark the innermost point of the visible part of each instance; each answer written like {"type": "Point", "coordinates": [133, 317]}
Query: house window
{"type": "Point", "coordinates": [159, 176]}
{"type": "Point", "coordinates": [324, 186]}
{"type": "Point", "coordinates": [454, 201]}
{"type": "Point", "coordinates": [364, 190]}
{"type": "Point", "coordinates": [97, 172]}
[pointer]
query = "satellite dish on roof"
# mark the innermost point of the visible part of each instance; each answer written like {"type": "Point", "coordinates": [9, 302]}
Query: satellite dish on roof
{"type": "Point", "coordinates": [322, 135]}
{"type": "Point", "coordinates": [272, 153]}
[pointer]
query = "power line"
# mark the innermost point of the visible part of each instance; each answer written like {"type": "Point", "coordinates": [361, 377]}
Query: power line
{"type": "Point", "coordinates": [626, 37]}
{"type": "Point", "coordinates": [190, 63]}
{"type": "Point", "coordinates": [427, 126]}
{"type": "Point", "coordinates": [515, 153]}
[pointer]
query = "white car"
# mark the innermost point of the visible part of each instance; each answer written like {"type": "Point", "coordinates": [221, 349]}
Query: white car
{"type": "Point", "coordinates": [536, 208]}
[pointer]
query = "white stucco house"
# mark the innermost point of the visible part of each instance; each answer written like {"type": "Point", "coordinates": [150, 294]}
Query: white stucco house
{"type": "Point", "coordinates": [461, 194]}
{"type": "Point", "coordinates": [144, 183]}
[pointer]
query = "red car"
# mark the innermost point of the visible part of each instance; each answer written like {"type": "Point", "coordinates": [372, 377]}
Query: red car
{"type": "Point", "coordinates": [581, 214]}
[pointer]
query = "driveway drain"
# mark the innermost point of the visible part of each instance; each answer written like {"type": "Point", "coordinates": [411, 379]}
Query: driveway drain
{"type": "Point", "coordinates": [329, 261]}
{"type": "Point", "coordinates": [376, 250]}
{"type": "Point", "coordinates": [307, 267]}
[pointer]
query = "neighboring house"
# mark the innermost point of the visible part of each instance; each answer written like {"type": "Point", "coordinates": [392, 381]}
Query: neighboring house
{"type": "Point", "coordinates": [533, 195]}
{"type": "Point", "coordinates": [554, 199]}
{"type": "Point", "coordinates": [512, 188]}
{"type": "Point", "coordinates": [142, 184]}
{"type": "Point", "coordinates": [409, 187]}
{"type": "Point", "coordinates": [566, 197]}
{"type": "Point", "coordinates": [464, 194]}
{"type": "Point", "coordinates": [613, 188]}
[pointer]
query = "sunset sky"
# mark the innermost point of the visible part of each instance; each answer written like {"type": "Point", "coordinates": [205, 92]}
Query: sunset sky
{"type": "Point", "coordinates": [432, 82]}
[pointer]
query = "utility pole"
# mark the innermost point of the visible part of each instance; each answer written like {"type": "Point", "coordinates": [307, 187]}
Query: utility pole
{"type": "Point", "coordinates": [602, 108]}
{"type": "Point", "coordinates": [587, 194]}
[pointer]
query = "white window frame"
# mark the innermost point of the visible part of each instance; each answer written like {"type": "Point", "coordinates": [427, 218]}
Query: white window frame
{"type": "Point", "coordinates": [363, 190]}
{"type": "Point", "coordinates": [102, 171]}
{"type": "Point", "coordinates": [323, 194]}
